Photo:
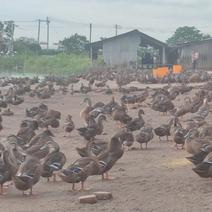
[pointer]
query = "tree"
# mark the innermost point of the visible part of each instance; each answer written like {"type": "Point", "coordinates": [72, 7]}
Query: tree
{"type": "Point", "coordinates": [26, 45]}
{"type": "Point", "coordinates": [186, 34]}
{"type": "Point", "coordinates": [6, 37]}
{"type": "Point", "coordinates": [74, 44]}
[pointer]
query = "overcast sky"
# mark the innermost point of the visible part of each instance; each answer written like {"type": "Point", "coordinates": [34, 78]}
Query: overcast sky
{"type": "Point", "coordinates": [158, 18]}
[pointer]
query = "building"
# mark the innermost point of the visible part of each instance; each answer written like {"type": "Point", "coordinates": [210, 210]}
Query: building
{"type": "Point", "coordinates": [123, 49]}
{"type": "Point", "coordinates": [204, 50]}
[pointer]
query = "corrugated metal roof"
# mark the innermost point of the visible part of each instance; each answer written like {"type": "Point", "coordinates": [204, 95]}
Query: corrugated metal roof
{"type": "Point", "coordinates": [193, 42]}
{"type": "Point", "coordinates": [99, 44]}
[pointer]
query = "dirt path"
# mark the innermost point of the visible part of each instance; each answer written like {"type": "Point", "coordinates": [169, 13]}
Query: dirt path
{"type": "Point", "coordinates": [158, 179]}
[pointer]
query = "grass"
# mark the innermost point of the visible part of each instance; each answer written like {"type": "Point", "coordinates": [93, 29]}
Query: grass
{"type": "Point", "coordinates": [60, 64]}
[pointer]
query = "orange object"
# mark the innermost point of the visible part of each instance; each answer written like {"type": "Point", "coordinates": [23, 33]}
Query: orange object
{"type": "Point", "coordinates": [160, 72]}
{"type": "Point", "coordinates": [177, 69]}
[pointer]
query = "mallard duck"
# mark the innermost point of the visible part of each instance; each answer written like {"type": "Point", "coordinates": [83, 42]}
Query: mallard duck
{"type": "Point", "coordinates": [93, 129]}
{"type": "Point", "coordinates": [108, 158]}
{"type": "Point", "coordinates": [108, 91]}
{"type": "Point", "coordinates": [204, 169]}
{"type": "Point", "coordinates": [137, 123]}
{"type": "Point", "coordinates": [28, 174]}
{"type": "Point", "coordinates": [79, 171]}
{"type": "Point", "coordinates": [145, 135]}
{"type": "Point", "coordinates": [69, 125]}
{"type": "Point", "coordinates": [85, 89]}
{"type": "Point", "coordinates": [198, 119]}
{"type": "Point", "coordinates": [194, 144]}
{"type": "Point", "coordinates": [41, 150]}
{"type": "Point", "coordinates": [126, 138]}
{"type": "Point", "coordinates": [33, 124]}
{"type": "Point", "coordinates": [7, 112]}
{"type": "Point", "coordinates": [120, 115]}
{"type": "Point", "coordinates": [26, 131]}
{"type": "Point", "coordinates": [17, 100]}
{"type": "Point", "coordinates": [32, 112]}
{"type": "Point", "coordinates": [84, 113]}
{"type": "Point", "coordinates": [41, 138]}
{"type": "Point", "coordinates": [53, 162]}
{"type": "Point", "coordinates": [179, 134]}
{"type": "Point", "coordinates": [111, 106]}
{"type": "Point", "coordinates": [183, 109]}
{"type": "Point", "coordinates": [164, 130]}
{"type": "Point", "coordinates": [5, 173]}
{"type": "Point", "coordinates": [10, 159]}
{"type": "Point", "coordinates": [205, 130]}
{"type": "Point", "coordinates": [200, 156]}
{"type": "Point", "coordinates": [162, 104]}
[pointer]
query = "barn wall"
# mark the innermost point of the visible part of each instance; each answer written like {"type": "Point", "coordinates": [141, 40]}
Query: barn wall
{"type": "Point", "coordinates": [122, 50]}
{"type": "Point", "coordinates": [205, 55]}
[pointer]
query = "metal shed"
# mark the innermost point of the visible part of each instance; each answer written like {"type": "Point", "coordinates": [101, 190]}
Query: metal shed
{"type": "Point", "coordinates": [204, 48]}
{"type": "Point", "coordinates": [122, 49]}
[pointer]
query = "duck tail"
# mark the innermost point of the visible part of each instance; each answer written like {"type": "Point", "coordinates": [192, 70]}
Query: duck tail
{"type": "Point", "coordinates": [197, 158]}
{"type": "Point", "coordinates": [202, 169]}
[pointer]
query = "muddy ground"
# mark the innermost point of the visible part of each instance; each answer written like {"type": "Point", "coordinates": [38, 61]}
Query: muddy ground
{"type": "Point", "coordinates": [158, 179]}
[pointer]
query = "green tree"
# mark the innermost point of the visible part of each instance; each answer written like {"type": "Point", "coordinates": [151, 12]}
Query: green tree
{"type": "Point", "coordinates": [26, 45]}
{"type": "Point", "coordinates": [74, 44]}
{"type": "Point", "coordinates": [186, 34]}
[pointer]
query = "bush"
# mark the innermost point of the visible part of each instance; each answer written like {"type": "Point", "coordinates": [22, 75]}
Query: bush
{"type": "Point", "coordinates": [46, 64]}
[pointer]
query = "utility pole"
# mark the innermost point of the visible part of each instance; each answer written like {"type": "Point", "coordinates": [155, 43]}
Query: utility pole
{"type": "Point", "coordinates": [90, 38]}
{"type": "Point", "coordinates": [47, 22]}
{"type": "Point", "coordinates": [39, 31]}
{"type": "Point", "coordinates": [90, 32]}
{"type": "Point", "coordinates": [116, 28]}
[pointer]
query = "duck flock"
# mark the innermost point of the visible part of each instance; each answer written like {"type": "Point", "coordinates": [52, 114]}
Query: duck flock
{"type": "Point", "coordinates": [33, 152]}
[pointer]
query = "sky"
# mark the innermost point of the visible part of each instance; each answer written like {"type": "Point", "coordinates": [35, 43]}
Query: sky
{"type": "Point", "coordinates": [157, 18]}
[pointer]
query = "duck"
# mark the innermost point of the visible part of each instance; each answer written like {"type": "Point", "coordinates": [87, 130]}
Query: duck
{"type": "Point", "coordinates": [194, 144]}
{"type": "Point", "coordinates": [96, 128]}
{"type": "Point", "coordinates": [108, 90]}
{"type": "Point", "coordinates": [84, 89]}
{"type": "Point", "coordinates": [32, 112]}
{"type": "Point", "coordinates": [7, 112]}
{"type": "Point", "coordinates": [17, 100]}
{"type": "Point", "coordinates": [164, 130]}
{"type": "Point", "coordinates": [120, 115]}
{"type": "Point", "coordinates": [145, 135]}
{"type": "Point", "coordinates": [84, 113]}
{"type": "Point", "coordinates": [162, 104]}
{"type": "Point", "coordinates": [5, 173]}
{"type": "Point", "coordinates": [204, 169]}
{"type": "Point", "coordinates": [52, 163]}
{"type": "Point", "coordinates": [41, 138]}
{"type": "Point", "coordinates": [79, 171]}
{"type": "Point", "coordinates": [51, 118]}
{"type": "Point", "coordinates": [68, 125]}
{"type": "Point", "coordinates": [10, 159]}
{"type": "Point", "coordinates": [183, 109]}
{"type": "Point", "coordinates": [179, 134]}
{"type": "Point", "coordinates": [136, 123]}
{"type": "Point", "coordinates": [197, 158]}
{"type": "Point", "coordinates": [41, 150]}
{"type": "Point", "coordinates": [26, 131]}
{"type": "Point", "coordinates": [28, 174]}
{"type": "Point", "coordinates": [108, 158]}
{"type": "Point", "coordinates": [126, 137]}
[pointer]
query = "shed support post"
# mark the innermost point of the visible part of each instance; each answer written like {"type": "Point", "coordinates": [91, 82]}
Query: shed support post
{"type": "Point", "coordinates": [164, 55]}
{"type": "Point", "coordinates": [91, 54]}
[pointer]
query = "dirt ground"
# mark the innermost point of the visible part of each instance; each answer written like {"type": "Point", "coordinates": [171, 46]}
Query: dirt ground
{"type": "Point", "coordinates": [158, 179]}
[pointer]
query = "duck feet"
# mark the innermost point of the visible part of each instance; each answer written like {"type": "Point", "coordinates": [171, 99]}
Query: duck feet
{"type": "Point", "coordinates": [83, 187]}
{"type": "Point", "coordinates": [2, 190]}
{"type": "Point", "coordinates": [107, 177]}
